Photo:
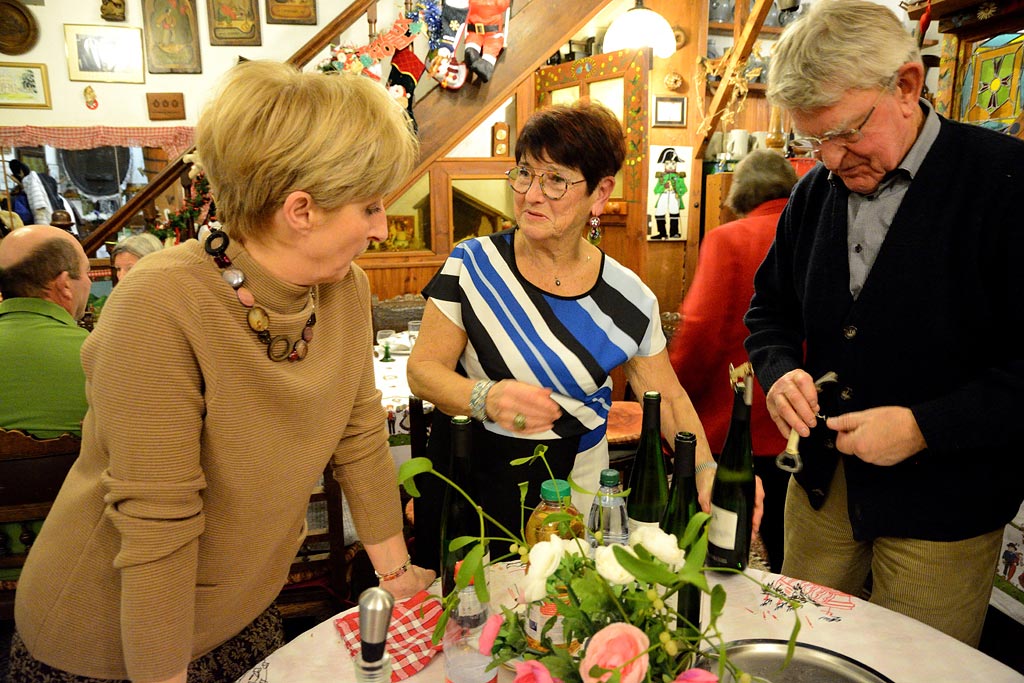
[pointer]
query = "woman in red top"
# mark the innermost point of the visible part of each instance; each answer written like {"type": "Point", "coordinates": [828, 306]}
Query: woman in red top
{"type": "Point", "coordinates": [711, 332]}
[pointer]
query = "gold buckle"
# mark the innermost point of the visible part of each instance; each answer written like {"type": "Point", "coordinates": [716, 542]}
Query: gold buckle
{"type": "Point", "coordinates": [479, 28]}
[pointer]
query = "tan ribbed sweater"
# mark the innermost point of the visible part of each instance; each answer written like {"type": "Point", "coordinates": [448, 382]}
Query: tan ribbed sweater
{"type": "Point", "coordinates": [177, 524]}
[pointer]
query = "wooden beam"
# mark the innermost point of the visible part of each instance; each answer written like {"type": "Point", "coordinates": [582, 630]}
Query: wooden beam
{"type": "Point", "coordinates": [737, 58]}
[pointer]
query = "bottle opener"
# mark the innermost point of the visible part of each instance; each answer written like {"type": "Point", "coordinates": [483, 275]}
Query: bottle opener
{"type": "Point", "coordinates": [789, 460]}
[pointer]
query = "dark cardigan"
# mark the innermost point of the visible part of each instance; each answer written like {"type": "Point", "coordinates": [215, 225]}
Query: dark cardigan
{"type": "Point", "coordinates": [934, 329]}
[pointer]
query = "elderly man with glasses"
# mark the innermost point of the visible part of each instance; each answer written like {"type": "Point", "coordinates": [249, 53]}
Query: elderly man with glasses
{"type": "Point", "coordinates": [895, 266]}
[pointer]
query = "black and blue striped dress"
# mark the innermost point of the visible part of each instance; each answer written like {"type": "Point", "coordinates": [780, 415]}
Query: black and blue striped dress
{"type": "Point", "coordinates": [518, 331]}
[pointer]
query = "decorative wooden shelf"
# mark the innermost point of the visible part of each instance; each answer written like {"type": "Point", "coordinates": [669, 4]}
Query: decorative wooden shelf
{"type": "Point", "coordinates": [940, 8]}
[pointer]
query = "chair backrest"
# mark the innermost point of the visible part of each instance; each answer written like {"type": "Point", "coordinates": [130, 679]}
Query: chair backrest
{"type": "Point", "coordinates": [318, 584]}
{"type": "Point", "coordinates": [31, 473]}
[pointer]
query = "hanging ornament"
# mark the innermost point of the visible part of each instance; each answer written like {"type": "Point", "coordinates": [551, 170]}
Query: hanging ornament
{"type": "Point", "coordinates": [90, 97]}
{"type": "Point", "coordinates": [406, 69]}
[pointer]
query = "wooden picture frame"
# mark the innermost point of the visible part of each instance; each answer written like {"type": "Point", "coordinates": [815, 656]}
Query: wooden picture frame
{"type": "Point", "coordinates": [235, 23]}
{"type": "Point", "coordinates": [291, 12]}
{"type": "Point", "coordinates": [24, 86]}
{"type": "Point", "coordinates": [172, 37]}
{"type": "Point", "coordinates": [104, 54]}
{"type": "Point", "coordinates": [670, 112]}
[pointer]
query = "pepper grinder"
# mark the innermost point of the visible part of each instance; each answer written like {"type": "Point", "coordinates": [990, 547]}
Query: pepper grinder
{"type": "Point", "coordinates": [373, 665]}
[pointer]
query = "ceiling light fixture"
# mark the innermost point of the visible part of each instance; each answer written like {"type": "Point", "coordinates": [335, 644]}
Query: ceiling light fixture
{"type": "Point", "coordinates": [640, 27]}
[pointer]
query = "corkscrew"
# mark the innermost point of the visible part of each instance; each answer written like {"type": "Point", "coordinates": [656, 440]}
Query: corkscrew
{"type": "Point", "coordinates": [789, 460]}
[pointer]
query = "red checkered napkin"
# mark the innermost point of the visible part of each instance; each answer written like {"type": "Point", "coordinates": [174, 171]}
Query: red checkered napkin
{"type": "Point", "coordinates": [412, 623]}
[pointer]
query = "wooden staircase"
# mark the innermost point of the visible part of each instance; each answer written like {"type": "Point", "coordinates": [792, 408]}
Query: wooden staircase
{"type": "Point", "coordinates": [537, 30]}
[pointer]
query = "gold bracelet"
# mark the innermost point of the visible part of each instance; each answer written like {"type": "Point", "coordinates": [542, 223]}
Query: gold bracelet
{"type": "Point", "coordinates": [394, 573]}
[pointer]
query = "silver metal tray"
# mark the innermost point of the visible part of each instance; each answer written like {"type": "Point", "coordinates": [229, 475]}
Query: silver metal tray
{"type": "Point", "coordinates": [762, 658]}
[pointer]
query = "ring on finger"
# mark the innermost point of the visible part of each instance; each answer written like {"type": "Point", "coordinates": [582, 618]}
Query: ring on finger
{"type": "Point", "coordinates": [519, 421]}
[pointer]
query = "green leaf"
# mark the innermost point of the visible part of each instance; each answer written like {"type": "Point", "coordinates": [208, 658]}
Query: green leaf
{"type": "Point", "coordinates": [462, 541]}
{"type": "Point", "coordinates": [409, 469]}
{"type": "Point", "coordinates": [717, 601]}
{"type": "Point", "coordinates": [693, 529]}
{"type": "Point", "coordinates": [471, 564]}
{"type": "Point", "coordinates": [644, 570]}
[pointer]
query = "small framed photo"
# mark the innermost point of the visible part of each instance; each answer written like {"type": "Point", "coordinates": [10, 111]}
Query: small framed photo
{"type": "Point", "coordinates": [291, 11]}
{"type": "Point", "coordinates": [234, 23]}
{"type": "Point", "coordinates": [670, 111]}
{"type": "Point", "coordinates": [108, 54]}
{"type": "Point", "coordinates": [24, 86]}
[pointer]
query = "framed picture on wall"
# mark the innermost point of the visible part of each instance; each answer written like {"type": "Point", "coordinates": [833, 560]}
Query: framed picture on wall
{"type": "Point", "coordinates": [670, 111]}
{"type": "Point", "coordinates": [107, 54]}
{"type": "Point", "coordinates": [172, 36]}
{"type": "Point", "coordinates": [24, 85]}
{"type": "Point", "coordinates": [291, 11]}
{"type": "Point", "coordinates": [234, 22]}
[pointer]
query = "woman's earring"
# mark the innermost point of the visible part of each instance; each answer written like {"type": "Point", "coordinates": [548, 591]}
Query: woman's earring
{"type": "Point", "coordinates": [594, 233]}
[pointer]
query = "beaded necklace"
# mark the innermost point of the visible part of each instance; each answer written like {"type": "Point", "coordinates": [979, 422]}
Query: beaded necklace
{"type": "Point", "coordinates": [280, 347]}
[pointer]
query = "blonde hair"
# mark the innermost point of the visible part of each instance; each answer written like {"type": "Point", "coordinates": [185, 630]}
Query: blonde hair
{"type": "Point", "coordinates": [840, 45]}
{"type": "Point", "coordinates": [273, 129]}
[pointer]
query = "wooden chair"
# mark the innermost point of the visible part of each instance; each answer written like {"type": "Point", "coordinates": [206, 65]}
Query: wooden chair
{"type": "Point", "coordinates": [31, 473]}
{"type": "Point", "coordinates": [318, 585]}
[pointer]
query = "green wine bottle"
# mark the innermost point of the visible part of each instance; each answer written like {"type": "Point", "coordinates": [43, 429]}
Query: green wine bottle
{"type": "Point", "coordinates": [648, 486]}
{"type": "Point", "coordinates": [732, 497]}
{"type": "Point", "coordinates": [458, 518]}
{"type": "Point", "coordinates": [682, 506]}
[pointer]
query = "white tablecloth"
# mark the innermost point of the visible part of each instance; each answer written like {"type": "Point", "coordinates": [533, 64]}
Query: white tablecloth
{"type": "Point", "coordinates": [901, 648]}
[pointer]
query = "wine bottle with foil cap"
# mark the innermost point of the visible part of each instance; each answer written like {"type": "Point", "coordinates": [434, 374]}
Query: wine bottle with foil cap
{"type": "Point", "coordinates": [682, 506]}
{"type": "Point", "coordinates": [732, 496]}
{"type": "Point", "coordinates": [458, 518]}
{"type": "Point", "coordinates": [648, 485]}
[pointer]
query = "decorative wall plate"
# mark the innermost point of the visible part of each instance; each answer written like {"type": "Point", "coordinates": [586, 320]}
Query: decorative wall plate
{"type": "Point", "coordinates": [18, 28]}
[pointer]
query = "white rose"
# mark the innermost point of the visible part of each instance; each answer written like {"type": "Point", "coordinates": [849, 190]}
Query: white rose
{"type": "Point", "coordinates": [534, 588]}
{"type": "Point", "coordinates": [609, 568]}
{"type": "Point", "coordinates": [663, 546]}
{"type": "Point", "coordinates": [544, 558]}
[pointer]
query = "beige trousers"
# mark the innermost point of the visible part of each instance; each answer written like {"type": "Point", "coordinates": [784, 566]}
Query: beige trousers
{"type": "Point", "coordinates": [943, 584]}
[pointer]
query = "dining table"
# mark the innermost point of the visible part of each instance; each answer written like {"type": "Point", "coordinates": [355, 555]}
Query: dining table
{"type": "Point", "coordinates": [893, 645]}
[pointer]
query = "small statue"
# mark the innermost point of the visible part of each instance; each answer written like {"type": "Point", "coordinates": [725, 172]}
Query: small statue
{"type": "Point", "coordinates": [112, 10]}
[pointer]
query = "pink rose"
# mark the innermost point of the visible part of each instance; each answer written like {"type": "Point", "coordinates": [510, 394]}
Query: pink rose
{"type": "Point", "coordinates": [613, 646]}
{"type": "Point", "coordinates": [696, 676]}
{"type": "Point", "coordinates": [532, 671]}
{"type": "Point", "coordinates": [490, 632]}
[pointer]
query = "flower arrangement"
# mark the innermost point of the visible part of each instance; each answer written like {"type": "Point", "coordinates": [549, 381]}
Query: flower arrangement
{"type": "Point", "coordinates": [616, 608]}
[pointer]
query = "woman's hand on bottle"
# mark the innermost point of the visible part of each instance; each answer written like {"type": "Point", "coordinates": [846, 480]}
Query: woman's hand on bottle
{"type": "Point", "coordinates": [410, 583]}
{"type": "Point", "coordinates": [521, 407]}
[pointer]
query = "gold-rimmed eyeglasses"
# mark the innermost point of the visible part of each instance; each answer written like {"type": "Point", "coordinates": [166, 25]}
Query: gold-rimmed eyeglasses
{"type": "Point", "coordinates": [808, 144]}
{"type": "Point", "coordinates": [553, 185]}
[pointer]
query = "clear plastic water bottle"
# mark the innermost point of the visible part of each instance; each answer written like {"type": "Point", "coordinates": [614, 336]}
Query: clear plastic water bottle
{"type": "Point", "coordinates": [607, 522]}
{"type": "Point", "coordinates": [463, 662]}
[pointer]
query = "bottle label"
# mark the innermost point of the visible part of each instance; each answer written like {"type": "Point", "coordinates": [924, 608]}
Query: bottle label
{"type": "Point", "coordinates": [635, 524]}
{"type": "Point", "coordinates": [722, 529]}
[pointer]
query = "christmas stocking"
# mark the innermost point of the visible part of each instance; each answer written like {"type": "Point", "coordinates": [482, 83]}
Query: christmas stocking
{"type": "Point", "coordinates": [406, 69]}
{"type": "Point", "coordinates": [444, 68]}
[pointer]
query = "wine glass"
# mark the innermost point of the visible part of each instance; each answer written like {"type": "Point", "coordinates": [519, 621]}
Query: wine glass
{"type": "Point", "coordinates": [383, 336]}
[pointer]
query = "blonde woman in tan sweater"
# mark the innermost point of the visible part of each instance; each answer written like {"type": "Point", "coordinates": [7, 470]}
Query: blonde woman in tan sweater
{"type": "Point", "coordinates": [175, 529]}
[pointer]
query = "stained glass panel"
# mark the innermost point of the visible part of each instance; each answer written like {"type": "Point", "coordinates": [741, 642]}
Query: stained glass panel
{"type": "Point", "coordinates": [992, 90]}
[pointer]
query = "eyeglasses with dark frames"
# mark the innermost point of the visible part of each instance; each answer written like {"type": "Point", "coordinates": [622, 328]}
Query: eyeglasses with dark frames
{"type": "Point", "coordinates": [553, 185]}
{"type": "Point", "coordinates": [808, 144]}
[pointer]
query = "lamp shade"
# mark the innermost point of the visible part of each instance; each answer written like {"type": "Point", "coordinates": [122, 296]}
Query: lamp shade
{"type": "Point", "coordinates": [640, 27]}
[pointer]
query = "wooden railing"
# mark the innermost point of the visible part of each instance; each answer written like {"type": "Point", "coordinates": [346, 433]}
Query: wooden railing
{"type": "Point", "coordinates": [174, 170]}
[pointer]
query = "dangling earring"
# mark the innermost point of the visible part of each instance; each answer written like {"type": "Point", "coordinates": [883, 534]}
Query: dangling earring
{"type": "Point", "coordinates": [594, 233]}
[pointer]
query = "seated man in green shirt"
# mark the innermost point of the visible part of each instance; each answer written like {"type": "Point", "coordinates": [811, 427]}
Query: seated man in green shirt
{"type": "Point", "coordinates": [44, 281]}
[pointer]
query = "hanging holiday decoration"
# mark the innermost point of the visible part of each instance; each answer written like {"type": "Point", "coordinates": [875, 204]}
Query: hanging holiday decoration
{"type": "Point", "coordinates": [485, 35]}
{"type": "Point", "coordinates": [406, 69]}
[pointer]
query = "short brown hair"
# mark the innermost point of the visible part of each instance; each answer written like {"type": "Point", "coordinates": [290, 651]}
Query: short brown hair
{"type": "Point", "coordinates": [585, 136]}
{"type": "Point", "coordinates": [761, 176]}
{"type": "Point", "coordinates": [30, 276]}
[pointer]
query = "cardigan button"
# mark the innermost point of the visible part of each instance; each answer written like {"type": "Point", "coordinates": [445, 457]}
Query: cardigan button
{"type": "Point", "coordinates": [850, 331]}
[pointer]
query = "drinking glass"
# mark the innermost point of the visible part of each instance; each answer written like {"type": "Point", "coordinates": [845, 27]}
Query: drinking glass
{"type": "Point", "coordinates": [414, 331]}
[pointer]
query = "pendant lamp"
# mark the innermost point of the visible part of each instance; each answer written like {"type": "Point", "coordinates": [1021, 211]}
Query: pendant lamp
{"type": "Point", "coordinates": [640, 27]}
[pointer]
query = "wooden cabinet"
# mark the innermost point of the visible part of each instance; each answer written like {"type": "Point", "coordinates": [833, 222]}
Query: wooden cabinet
{"type": "Point", "coordinates": [716, 189]}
